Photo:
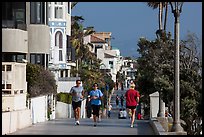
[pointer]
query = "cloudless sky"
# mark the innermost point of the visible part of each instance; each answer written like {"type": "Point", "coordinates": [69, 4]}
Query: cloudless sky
{"type": "Point", "coordinates": [128, 21]}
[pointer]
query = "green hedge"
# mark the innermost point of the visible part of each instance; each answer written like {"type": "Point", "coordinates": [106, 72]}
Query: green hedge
{"type": "Point", "coordinates": [64, 97]}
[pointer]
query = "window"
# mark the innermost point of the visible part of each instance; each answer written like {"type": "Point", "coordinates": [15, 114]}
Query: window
{"type": "Point", "coordinates": [98, 47]}
{"type": "Point", "coordinates": [8, 67]}
{"type": "Point", "coordinates": [39, 59]}
{"type": "Point", "coordinates": [107, 40]}
{"type": "Point", "coordinates": [61, 73]}
{"type": "Point", "coordinates": [3, 67]}
{"type": "Point", "coordinates": [20, 58]}
{"type": "Point", "coordinates": [49, 9]}
{"type": "Point", "coordinates": [8, 86]}
{"type": "Point", "coordinates": [59, 11]}
{"type": "Point", "coordinates": [68, 7]}
{"type": "Point", "coordinates": [69, 54]}
{"type": "Point", "coordinates": [58, 39]}
{"type": "Point", "coordinates": [60, 55]}
{"type": "Point", "coordinates": [37, 12]}
{"type": "Point", "coordinates": [13, 14]}
{"type": "Point", "coordinates": [13, 57]}
{"type": "Point", "coordinates": [111, 64]}
{"type": "Point", "coordinates": [66, 73]}
{"type": "Point", "coordinates": [3, 86]}
{"type": "Point", "coordinates": [70, 50]}
{"type": "Point", "coordinates": [32, 59]}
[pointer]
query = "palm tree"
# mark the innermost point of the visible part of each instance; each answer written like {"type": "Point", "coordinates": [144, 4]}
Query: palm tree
{"type": "Point", "coordinates": [166, 14]}
{"type": "Point", "coordinates": [78, 33]}
{"type": "Point", "coordinates": [73, 4]}
{"type": "Point", "coordinates": [160, 5]}
{"type": "Point", "coordinates": [156, 5]}
{"type": "Point", "coordinates": [88, 66]}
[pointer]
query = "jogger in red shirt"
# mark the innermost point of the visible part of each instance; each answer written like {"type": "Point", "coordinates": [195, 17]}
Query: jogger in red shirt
{"type": "Point", "coordinates": [132, 99]}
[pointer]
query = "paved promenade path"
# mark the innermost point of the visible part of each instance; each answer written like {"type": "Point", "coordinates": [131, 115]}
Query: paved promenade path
{"type": "Point", "coordinates": [107, 126]}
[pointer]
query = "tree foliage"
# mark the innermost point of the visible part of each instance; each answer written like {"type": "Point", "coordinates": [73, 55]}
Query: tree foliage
{"type": "Point", "coordinates": [88, 64]}
{"type": "Point", "coordinates": [40, 81]}
{"type": "Point", "coordinates": [156, 73]}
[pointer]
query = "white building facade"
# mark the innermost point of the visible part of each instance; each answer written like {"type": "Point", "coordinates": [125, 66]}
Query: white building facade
{"type": "Point", "coordinates": [129, 70]}
{"type": "Point", "coordinates": [99, 43]}
{"type": "Point", "coordinates": [62, 56]}
{"type": "Point", "coordinates": [111, 60]}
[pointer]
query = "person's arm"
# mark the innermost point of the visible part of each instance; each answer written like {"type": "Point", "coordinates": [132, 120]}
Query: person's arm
{"type": "Point", "coordinates": [82, 93]}
{"type": "Point", "coordinates": [138, 99]}
{"type": "Point", "coordinates": [100, 95]}
{"type": "Point", "coordinates": [71, 91]}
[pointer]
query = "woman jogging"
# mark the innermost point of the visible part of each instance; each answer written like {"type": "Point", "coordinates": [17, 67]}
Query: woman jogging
{"type": "Point", "coordinates": [96, 97]}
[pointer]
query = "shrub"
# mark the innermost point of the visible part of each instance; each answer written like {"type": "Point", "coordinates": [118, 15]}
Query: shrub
{"type": "Point", "coordinates": [64, 97]}
{"type": "Point", "coordinates": [40, 81]}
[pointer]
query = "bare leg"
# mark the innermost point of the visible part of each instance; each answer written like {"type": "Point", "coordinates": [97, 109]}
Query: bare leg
{"type": "Point", "coordinates": [94, 118]}
{"type": "Point", "coordinates": [78, 113]}
{"type": "Point", "coordinates": [128, 111]}
{"type": "Point", "coordinates": [75, 114]}
{"type": "Point", "coordinates": [133, 116]}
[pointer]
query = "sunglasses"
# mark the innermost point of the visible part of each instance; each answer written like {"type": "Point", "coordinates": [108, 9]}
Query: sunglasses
{"type": "Point", "coordinates": [78, 83]}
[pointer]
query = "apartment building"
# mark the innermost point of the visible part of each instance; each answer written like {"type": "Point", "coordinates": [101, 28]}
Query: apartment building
{"type": "Point", "coordinates": [25, 32]}
{"type": "Point", "coordinates": [100, 44]}
{"type": "Point", "coordinates": [95, 43]}
{"type": "Point", "coordinates": [62, 54]}
{"type": "Point", "coordinates": [129, 70]}
{"type": "Point", "coordinates": [111, 60]}
{"type": "Point", "coordinates": [106, 36]}
{"type": "Point", "coordinates": [25, 38]}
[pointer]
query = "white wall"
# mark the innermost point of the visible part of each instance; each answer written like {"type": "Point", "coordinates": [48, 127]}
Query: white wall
{"type": "Point", "coordinates": [154, 104]}
{"type": "Point", "coordinates": [39, 109]}
{"type": "Point", "coordinates": [14, 120]}
{"type": "Point", "coordinates": [14, 102]}
{"type": "Point", "coordinates": [64, 110]}
{"type": "Point", "coordinates": [65, 86]}
{"type": "Point", "coordinates": [16, 99]}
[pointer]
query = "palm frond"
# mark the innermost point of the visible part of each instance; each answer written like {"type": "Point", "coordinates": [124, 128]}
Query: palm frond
{"type": "Point", "coordinates": [73, 4]}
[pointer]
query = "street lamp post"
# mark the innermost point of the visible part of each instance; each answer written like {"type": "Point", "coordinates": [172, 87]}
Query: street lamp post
{"type": "Point", "coordinates": [176, 10]}
{"type": "Point", "coordinates": [160, 113]}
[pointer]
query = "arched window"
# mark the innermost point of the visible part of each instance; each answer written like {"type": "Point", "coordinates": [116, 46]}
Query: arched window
{"type": "Point", "coordinates": [58, 39]}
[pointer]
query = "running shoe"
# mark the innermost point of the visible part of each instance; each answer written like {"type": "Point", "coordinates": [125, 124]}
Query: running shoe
{"type": "Point", "coordinates": [77, 123]}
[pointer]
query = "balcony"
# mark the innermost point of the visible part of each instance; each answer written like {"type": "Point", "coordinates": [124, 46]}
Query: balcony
{"type": "Point", "coordinates": [39, 38]}
{"type": "Point", "coordinates": [14, 40]}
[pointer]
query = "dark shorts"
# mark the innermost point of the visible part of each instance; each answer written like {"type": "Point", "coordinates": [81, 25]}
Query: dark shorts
{"type": "Point", "coordinates": [76, 104]}
{"type": "Point", "coordinates": [96, 109]}
{"type": "Point", "coordinates": [131, 107]}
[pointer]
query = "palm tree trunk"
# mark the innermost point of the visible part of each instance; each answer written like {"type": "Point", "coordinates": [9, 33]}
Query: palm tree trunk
{"type": "Point", "coordinates": [160, 16]}
{"type": "Point", "coordinates": [166, 14]}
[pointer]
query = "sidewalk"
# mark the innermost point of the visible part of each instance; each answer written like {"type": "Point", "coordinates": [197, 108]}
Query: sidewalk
{"type": "Point", "coordinates": [105, 127]}
{"type": "Point", "coordinates": [108, 126]}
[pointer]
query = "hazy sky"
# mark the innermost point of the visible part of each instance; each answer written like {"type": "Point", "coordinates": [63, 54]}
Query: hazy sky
{"type": "Point", "coordinates": [128, 21]}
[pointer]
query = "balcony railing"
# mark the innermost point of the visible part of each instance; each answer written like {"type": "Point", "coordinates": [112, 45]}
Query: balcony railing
{"type": "Point", "coordinates": [13, 25]}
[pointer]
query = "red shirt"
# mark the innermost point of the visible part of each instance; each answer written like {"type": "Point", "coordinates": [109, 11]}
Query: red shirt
{"type": "Point", "coordinates": [131, 96]}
